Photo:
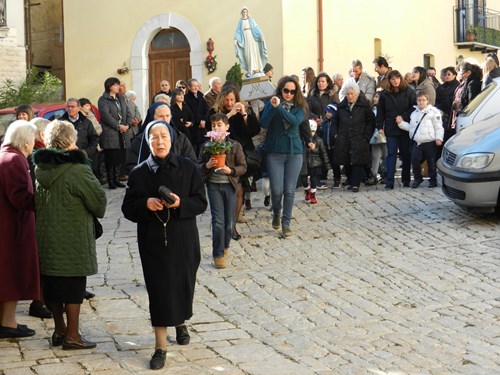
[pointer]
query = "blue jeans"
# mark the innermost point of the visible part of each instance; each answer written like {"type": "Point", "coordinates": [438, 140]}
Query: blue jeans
{"type": "Point", "coordinates": [283, 172]}
{"type": "Point", "coordinates": [222, 198]}
{"type": "Point", "coordinates": [401, 143]}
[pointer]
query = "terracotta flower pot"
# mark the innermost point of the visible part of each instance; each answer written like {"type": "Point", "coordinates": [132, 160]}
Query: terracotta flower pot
{"type": "Point", "coordinates": [220, 159]}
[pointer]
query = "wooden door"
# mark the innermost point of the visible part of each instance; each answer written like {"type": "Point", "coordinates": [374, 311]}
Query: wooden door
{"type": "Point", "coordinates": [168, 59]}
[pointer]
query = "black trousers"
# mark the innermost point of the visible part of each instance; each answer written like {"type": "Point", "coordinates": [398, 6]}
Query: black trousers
{"type": "Point", "coordinates": [421, 152]}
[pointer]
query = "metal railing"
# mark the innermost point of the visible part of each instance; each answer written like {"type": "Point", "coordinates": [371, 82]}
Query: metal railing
{"type": "Point", "coordinates": [478, 25]}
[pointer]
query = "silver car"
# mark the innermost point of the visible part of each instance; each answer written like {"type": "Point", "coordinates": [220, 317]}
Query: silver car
{"type": "Point", "coordinates": [485, 105]}
{"type": "Point", "coordinates": [469, 168]}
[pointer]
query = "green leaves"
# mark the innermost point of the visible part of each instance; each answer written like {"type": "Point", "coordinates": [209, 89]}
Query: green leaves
{"type": "Point", "coordinates": [37, 88]}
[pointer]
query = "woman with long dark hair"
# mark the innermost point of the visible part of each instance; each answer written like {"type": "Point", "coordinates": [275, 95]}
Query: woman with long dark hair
{"type": "Point", "coordinates": [282, 117]}
{"type": "Point", "coordinates": [423, 84]}
{"type": "Point", "coordinates": [397, 100]}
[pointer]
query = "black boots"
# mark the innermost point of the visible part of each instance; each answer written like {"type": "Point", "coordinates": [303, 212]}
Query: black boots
{"type": "Point", "coordinates": [112, 173]}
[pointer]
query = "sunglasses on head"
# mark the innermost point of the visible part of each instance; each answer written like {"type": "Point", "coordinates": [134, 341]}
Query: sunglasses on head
{"type": "Point", "coordinates": [288, 91]}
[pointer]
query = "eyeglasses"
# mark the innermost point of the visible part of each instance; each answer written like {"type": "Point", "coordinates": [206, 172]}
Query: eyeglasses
{"type": "Point", "coordinates": [288, 91]}
{"type": "Point", "coordinates": [181, 87]}
{"type": "Point", "coordinates": [71, 106]}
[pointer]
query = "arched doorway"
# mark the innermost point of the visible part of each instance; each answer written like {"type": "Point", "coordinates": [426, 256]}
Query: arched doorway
{"type": "Point", "coordinates": [168, 59]}
{"type": "Point", "coordinates": [139, 61]}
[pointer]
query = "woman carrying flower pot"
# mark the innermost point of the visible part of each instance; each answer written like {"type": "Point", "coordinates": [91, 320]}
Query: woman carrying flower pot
{"type": "Point", "coordinates": [222, 183]}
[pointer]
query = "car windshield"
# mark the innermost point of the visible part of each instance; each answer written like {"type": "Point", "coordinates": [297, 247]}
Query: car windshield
{"type": "Point", "coordinates": [471, 107]}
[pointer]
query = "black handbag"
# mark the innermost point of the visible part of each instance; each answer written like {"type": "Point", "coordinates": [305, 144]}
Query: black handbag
{"type": "Point", "coordinates": [98, 228]}
{"type": "Point", "coordinates": [253, 159]}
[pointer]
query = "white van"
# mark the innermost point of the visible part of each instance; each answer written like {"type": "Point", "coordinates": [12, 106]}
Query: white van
{"type": "Point", "coordinates": [485, 105]}
{"type": "Point", "coordinates": [469, 167]}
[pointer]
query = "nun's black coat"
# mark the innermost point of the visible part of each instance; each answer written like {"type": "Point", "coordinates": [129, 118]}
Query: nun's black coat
{"type": "Point", "coordinates": [169, 270]}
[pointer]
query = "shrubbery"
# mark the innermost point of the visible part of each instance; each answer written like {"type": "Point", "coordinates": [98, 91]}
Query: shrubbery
{"type": "Point", "coordinates": [36, 88]}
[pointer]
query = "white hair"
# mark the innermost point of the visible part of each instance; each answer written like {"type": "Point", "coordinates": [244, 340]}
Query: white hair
{"type": "Point", "coordinates": [18, 133]}
{"type": "Point", "coordinates": [212, 80]}
{"type": "Point", "coordinates": [130, 93]}
{"type": "Point", "coordinates": [60, 134]}
{"type": "Point", "coordinates": [353, 86]}
{"type": "Point", "coordinates": [41, 124]}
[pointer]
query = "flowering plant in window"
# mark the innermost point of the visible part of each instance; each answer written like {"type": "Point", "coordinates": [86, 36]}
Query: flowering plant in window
{"type": "Point", "coordinates": [218, 144]}
{"type": "Point", "coordinates": [211, 63]}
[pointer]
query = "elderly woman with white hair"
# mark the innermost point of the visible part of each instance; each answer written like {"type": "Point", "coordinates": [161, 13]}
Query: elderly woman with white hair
{"type": "Point", "coordinates": [69, 195]}
{"type": "Point", "coordinates": [167, 233]}
{"type": "Point", "coordinates": [354, 126]}
{"type": "Point", "coordinates": [134, 109]}
{"type": "Point", "coordinates": [19, 274]}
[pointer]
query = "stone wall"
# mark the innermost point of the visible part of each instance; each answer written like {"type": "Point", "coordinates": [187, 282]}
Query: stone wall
{"type": "Point", "coordinates": [13, 56]}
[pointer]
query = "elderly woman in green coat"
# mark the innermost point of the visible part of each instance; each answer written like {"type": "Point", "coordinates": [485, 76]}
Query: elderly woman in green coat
{"type": "Point", "coordinates": [68, 197]}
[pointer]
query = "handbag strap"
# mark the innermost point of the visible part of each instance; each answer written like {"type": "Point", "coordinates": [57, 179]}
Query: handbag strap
{"type": "Point", "coordinates": [415, 132]}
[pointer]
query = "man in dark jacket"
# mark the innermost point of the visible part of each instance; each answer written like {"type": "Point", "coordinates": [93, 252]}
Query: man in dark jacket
{"type": "Point", "coordinates": [87, 139]}
{"type": "Point", "coordinates": [180, 144]}
{"type": "Point", "coordinates": [196, 102]}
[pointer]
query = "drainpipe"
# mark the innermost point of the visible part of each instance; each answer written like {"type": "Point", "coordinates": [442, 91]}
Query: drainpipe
{"type": "Point", "coordinates": [320, 35]}
{"type": "Point", "coordinates": [27, 32]}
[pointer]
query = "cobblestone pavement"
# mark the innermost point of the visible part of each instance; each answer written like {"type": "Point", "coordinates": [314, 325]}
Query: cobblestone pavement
{"type": "Point", "coordinates": [378, 282]}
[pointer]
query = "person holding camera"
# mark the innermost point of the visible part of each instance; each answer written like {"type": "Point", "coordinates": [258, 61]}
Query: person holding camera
{"type": "Point", "coordinates": [167, 233]}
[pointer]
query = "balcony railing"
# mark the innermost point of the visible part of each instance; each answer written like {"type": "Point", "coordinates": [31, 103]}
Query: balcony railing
{"type": "Point", "coordinates": [477, 29]}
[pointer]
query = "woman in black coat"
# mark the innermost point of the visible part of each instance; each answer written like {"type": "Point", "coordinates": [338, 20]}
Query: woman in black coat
{"type": "Point", "coordinates": [354, 126]}
{"type": "Point", "coordinates": [182, 116]}
{"type": "Point", "coordinates": [467, 90]}
{"type": "Point", "coordinates": [320, 95]}
{"type": "Point", "coordinates": [167, 234]}
{"type": "Point", "coordinates": [398, 100]}
{"type": "Point", "coordinates": [445, 91]}
{"type": "Point", "coordinates": [115, 137]}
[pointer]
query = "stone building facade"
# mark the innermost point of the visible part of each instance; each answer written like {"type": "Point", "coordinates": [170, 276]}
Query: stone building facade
{"type": "Point", "coordinates": [12, 41]}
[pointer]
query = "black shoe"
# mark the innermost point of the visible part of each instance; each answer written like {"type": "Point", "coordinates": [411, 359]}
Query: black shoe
{"type": "Point", "coordinates": [389, 186]}
{"type": "Point", "coordinates": [267, 200]}
{"type": "Point", "coordinates": [20, 331]}
{"type": "Point", "coordinates": [38, 310]}
{"type": "Point", "coordinates": [88, 295]}
{"type": "Point", "coordinates": [432, 184]}
{"type": "Point", "coordinates": [182, 335]}
{"type": "Point", "coordinates": [57, 339]}
{"type": "Point", "coordinates": [248, 204]}
{"type": "Point", "coordinates": [406, 183]}
{"type": "Point", "coordinates": [158, 359]}
{"type": "Point", "coordinates": [118, 184]}
{"type": "Point", "coordinates": [77, 345]}
{"type": "Point", "coordinates": [111, 185]}
{"type": "Point", "coordinates": [416, 184]}
{"type": "Point", "coordinates": [236, 236]}
{"type": "Point", "coordinates": [371, 181]}
{"type": "Point", "coordinates": [355, 189]}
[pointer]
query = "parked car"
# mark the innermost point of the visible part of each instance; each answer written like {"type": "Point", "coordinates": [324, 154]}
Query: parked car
{"type": "Point", "coordinates": [50, 111]}
{"type": "Point", "coordinates": [485, 105]}
{"type": "Point", "coordinates": [469, 168]}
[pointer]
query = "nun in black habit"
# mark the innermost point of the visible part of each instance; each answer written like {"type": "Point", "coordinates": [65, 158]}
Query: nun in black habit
{"type": "Point", "coordinates": [167, 234]}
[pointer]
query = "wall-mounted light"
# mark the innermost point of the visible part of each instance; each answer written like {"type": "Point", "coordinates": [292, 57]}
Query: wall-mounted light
{"type": "Point", "coordinates": [123, 70]}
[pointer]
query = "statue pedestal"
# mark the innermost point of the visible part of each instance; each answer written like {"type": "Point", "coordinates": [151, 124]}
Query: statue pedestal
{"type": "Point", "coordinates": [257, 88]}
